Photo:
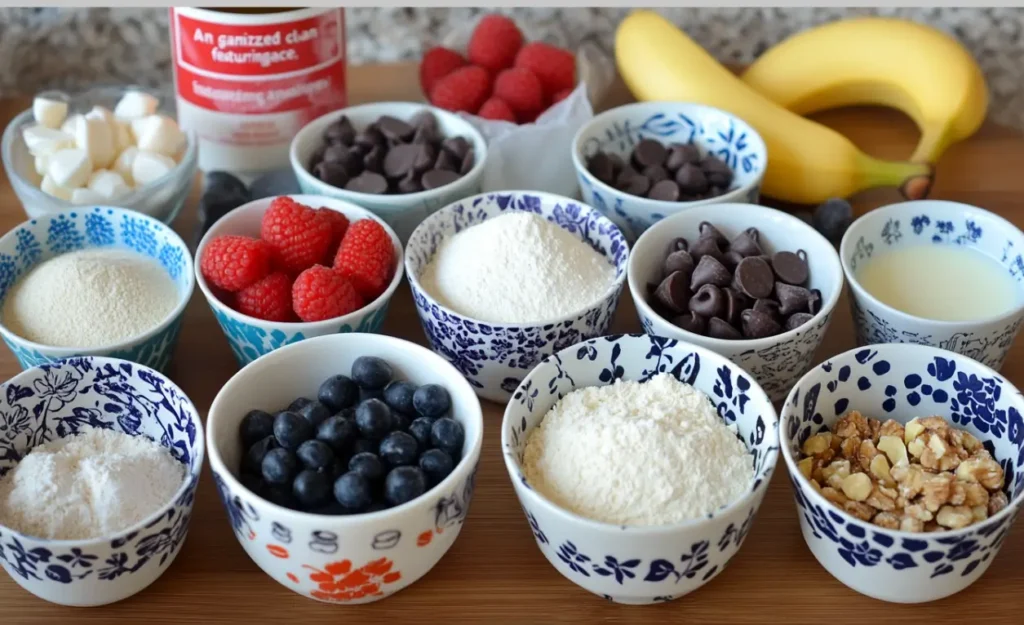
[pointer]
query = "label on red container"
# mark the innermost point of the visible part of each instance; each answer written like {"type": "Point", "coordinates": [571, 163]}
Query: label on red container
{"type": "Point", "coordinates": [246, 83]}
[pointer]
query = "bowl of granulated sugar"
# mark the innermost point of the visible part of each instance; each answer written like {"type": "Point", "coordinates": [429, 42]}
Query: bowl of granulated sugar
{"type": "Point", "coordinates": [99, 281]}
{"type": "Point", "coordinates": [99, 462]}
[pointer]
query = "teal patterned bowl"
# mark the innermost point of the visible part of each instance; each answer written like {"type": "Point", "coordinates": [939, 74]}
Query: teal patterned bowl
{"type": "Point", "coordinates": [251, 338]}
{"type": "Point", "coordinates": [54, 234]}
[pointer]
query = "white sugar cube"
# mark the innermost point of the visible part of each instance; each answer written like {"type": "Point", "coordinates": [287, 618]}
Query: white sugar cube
{"type": "Point", "coordinates": [149, 166]}
{"type": "Point", "coordinates": [86, 196]}
{"type": "Point", "coordinates": [69, 168]}
{"type": "Point", "coordinates": [135, 104]}
{"type": "Point", "coordinates": [48, 112]}
{"type": "Point", "coordinates": [124, 161]}
{"type": "Point", "coordinates": [159, 134]}
{"type": "Point", "coordinates": [94, 135]}
{"type": "Point", "coordinates": [51, 188]}
{"type": "Point", "coordinates": [108, 184]}
{"type": "Point", "coordinates": [42, 141]}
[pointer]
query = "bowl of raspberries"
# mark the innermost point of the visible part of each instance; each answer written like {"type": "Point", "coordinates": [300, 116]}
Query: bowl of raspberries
{"type": "Point", "coordinates": [280, 270]}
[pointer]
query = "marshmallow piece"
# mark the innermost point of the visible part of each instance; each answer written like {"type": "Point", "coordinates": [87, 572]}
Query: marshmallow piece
{"type": "Point", "coordinates": [43, 141]}
{"type": "Point", "coordinates": [86, 196]}
{"type": "Point", "coordinates": [159, 134]}
{"type": "Point", "coordinates": [108, 184]}
{"type": "Point", "coordinates": [53, 189]}
{"type": "Point", "coordinates": [71, 123]}
{"type": "Point", "coordinates": [123, 138]}
{"type": "Point", "coordinates": [41, 163]}
{"type": "Point", "coordinates": [94, 135]}
{"type": "Point", "coordinates": [135, 104]}
{"type": "Point", "coordinates": [148, 166]}
{"type": "Point", "coordinates": [69, 168]}
{"type": "Point", "coordinates": [48, 112]}
{"type": "Point", "coordinates": [123, 164]}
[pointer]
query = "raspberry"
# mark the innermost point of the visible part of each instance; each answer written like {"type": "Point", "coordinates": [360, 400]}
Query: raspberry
{"type": "Point", "coordinates": [561, 95]}
{"type": "Point", "coordinates": [522, 91]}
{"type": "Point", "coordinates": [465, 89]}
{"type": "Point", "coordinates": [234, 262]}
{"type": "Point", "coordinates": [553, 66]}
{"type": "Point", "coordinates": [494, 43]}
{"type": "Point", "coordinates": [339, 224]}
{"type": "Point", "coordinates": [366, 257]}
{"type": "Point", "coordinates": [269, 299]}
{"type": "Point", "coordinates": [437, 63]}
{"type": "Point", "coordinates": [300, 235]}
{"type": "Point", "coordinates": [496, 108]}
{"type": "Point", "coordinates": [321, 293]}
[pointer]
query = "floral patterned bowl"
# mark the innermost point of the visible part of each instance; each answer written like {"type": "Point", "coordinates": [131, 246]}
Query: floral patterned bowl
{"type": "Point", "coordinates": [630, 564]}
{"type": "Point", "coordinates": [250, 337]}
{"type": "Point", "coordinates": [934, 222]}
{"type": "Point", "coordinates": [341, 559]}
{"type": "Point", "coordinates": [494, 357]}
{"type": "Point", "coordinates": [55, 401]}
{"type": "Point", "coordinates": [712, 130]}
{"type": "Point", "coordinates": [50, 235]}
{"type": "Point", "coordinates": [901, 382]}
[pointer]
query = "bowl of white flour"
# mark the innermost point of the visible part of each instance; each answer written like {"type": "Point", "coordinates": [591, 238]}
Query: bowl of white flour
{"type": "Point", "coordinates": [99, 462]}
{"type": "Point", "coordinates": [640, 463]}
{"type": "Point", "coordinates": [502, 280]}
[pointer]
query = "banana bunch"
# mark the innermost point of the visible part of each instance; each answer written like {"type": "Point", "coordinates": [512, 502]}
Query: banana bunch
{"type": "Point", "coordinates": [860, 61]}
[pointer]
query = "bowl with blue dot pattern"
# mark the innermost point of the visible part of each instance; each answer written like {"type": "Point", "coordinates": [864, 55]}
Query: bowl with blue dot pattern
{"type": "Point", "coordinates": [51, 235]}
{"type": "Point", "coordinates": [900, 382]}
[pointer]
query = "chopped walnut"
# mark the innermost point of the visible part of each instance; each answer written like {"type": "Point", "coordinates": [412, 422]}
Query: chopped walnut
{"type": "Point", "coordinates": [997, 502]}
{"type": "Point", "coordinates": [887, 520]}
{"type": "Point", "coordinates": [853, 424]}
{"type": "Point", "coordinates": [891, 428]}
{"type": "Point", "coordinates": [879, 500]}
{"type": "Point", "coordinates": [954, 517]}
{"type": "Point", "coordinates": [911, 525]}
{"type": "Point", "coordinates": [936, 491]}
{"type": "Point", "coordinates": [867, 453]}
{"type": "Point", "coordinates": [861, 510]}
{"type": "Point", "coordinates": [849, 447]}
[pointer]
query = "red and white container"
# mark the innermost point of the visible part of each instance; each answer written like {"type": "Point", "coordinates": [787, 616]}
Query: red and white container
{"type": "Point", "coordinates": [247, 80]}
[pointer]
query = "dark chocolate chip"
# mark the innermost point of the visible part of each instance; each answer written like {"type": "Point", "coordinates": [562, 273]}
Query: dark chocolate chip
{"type": "Point", "coordinates": [409, 184]}
{"type": "Point", "coordinates": [395, 129]}
{"type": "Point", "coordinates": [797, 319]}
{"type": "Point", "coordinates": [374, 160]}
{"type": "Point", "coordinates": [680, 154]}
{"type": "Point", "coordinates": [708, 230]}
{"type": "Point", "coordinates": [617, 161]}
{"type": "Point", "coordinates": [446, 161]}
{"type": "Point", "coordinates": [691, 179]}
{"type": "Point", "coordinates": [691, 323]}
{"type": "Point", "coordinates": [648, 152]}
{"type": "Point", "coordinates": [709, 270]}
{"type": "Point", "coordinates": [791, 268]}
{"type": "Point", "coordinates": [735, 303]}
{"type": "Point", "coordinates": [457, 146]}
{"type": "Point", "coordinates": [814, 302]}
{"type": "Point", "coordinates": [600, 166]}
{"type": "Point", "coordinates": [708, 301]}
{"type": "Point", "coordinates": [678, 244]}
{"type": "Point", "coordinates": [758, 325]}
{"type": "Point", "coordinates": [754, 277]}
{"type": "Point", "coordinates": [340, 131]}
{"type": "Point", "coordinates": [368, 182]}
{"type": "Point", "coordinates": [655, 173]}
{"type": "Point", "coordinates": [438, 178]}
{"type": "Point", "coordinates": [680, 261]}
{"type": "Point", "coordinates": [370, 138]}
{"type": "Point", "coordinates": [468, 161]}
{"type": "Point", "coordinates": [706, 246]}
{"type": "Point", "coordinates": [425, 157]}
{"type": "Point", "coordinates": [769, 307]}
{"type": "Point", "coordinates": [716, 171]}
{"type": "Point", "coordinates": [400, 160]}
{"type": "Point", "coordinates": [664, 191]}
{"type": "Point", "coordinates": [747, 243]}
{"type": "Point", "coordinates": [425, 119]}
{"type": "Point", "coordinates": [625, 177]}
{"type": "Point", "coordinates": [732, 258]}
{"type": "Point", "coordinates": [719, 329]}
{"type": "Point", "coordinates": [638, 185]}
{"type": "Point", "coordinates": [791, 298]}
{"type": "Point", "coordinates": [334, 153]}
{"type": "Point", "coordinates": [331, 173]}
{"type": "Point", "coordinates": [674, 292]}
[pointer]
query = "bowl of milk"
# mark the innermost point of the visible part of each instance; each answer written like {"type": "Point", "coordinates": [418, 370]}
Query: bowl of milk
{"type": "Point", "coordinates": [936, 273]}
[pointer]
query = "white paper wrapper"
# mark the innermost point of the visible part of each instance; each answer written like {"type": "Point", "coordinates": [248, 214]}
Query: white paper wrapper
{"type": "Point", "coordinates": [538, 156]}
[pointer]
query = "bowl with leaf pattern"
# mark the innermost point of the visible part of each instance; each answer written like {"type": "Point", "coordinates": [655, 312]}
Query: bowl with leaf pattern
{"type": "Point", "coordinates": [56, 401]}
{"type": "Point", "coordinates": [901, 382]}
{"type": "Point", "coordinates": [636, 564]}
{"type": "Point", "coordinates": [713, 131]}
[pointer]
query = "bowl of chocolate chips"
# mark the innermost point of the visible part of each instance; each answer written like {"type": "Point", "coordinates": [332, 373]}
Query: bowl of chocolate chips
{"type": "Point", "coordinates": [400, 160]}
{"type": "Point", "coordinates": [751, 283]}
{"type": "Point", "coordinates": [643, 162]}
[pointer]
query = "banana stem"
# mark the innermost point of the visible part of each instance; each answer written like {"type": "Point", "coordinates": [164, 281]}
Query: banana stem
{"type": "Point", "coordinates": [931, 145]}
{"type": "Point", "coordinates": [913, 179]}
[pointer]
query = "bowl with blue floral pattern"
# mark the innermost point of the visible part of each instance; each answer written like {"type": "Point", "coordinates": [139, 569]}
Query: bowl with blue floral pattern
{"type": "Point", "coordinates": [56, 401]}
{"type": "Point", "coordinates": [634, 564]}
{"type": "Point", "coordinates": [901, 382]}
{"type": "Point", "coordinates": [250, 337]}
{"type": "Point", "coordinates": [934, 222]}
{"type": "Point", "coordinates": [713, 132]}
{"type": "Point", "coordinates": [51, 235]}
{"type": "Point", "coordinates": [495, 357]}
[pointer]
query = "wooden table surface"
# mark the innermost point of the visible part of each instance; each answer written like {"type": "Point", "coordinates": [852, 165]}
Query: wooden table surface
{"type": "Point", "coordinates": [494, 572]}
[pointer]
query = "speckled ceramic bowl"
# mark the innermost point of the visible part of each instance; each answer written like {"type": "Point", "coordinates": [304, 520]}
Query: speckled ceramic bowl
{"type": "Point", "coordinates": [51, 402]}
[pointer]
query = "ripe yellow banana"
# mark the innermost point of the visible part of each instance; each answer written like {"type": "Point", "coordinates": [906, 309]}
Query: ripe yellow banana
{"type": "Point", "coordinates": [807, 162]}
{"type": "Point", "coordinates": [889, 62]}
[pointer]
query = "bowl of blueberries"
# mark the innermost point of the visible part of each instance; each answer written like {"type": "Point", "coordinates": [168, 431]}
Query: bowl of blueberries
{"type": "Point", "coordinates": [642, 162]}
{"type": "Point", "coordinates": [346, 463]}
{"type": "Point", "coordinates": [400, 160]}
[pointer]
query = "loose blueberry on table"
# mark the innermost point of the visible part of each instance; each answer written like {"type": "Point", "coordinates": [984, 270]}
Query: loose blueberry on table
{"type": "Point", "coordinates": [366, 443]}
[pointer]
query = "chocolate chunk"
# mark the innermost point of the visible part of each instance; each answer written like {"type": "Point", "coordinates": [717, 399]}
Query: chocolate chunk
{"type": "Point", "coordinates": [394, 129]}
{"type": "Point", "coordinates": [340, 131]}
{"type": "Point", "coordinates": [457, 146]}
{"type": "Point", "coordinates": [732, 258]}
{"type": "Point", "coordinates": [716, 171]}
{"type": "Point", "coordinates": [769, 307]}
{"type": "Point", "coordinates": [691, 180]}
{"type": "Point", "coordinates": [664, 191]}
{"type": "Point", "coordinates": [706, 246]}
{"type": "Point", "coordinates": [370, 138]}
{"type": "Point", "coordinates": [735, 303]}
{"type": "Point", "coordinates": [680, 154]}
{"type": "Point", "coordinates": [708, 230]}
{"type": "Point", "coordinates": [601, 167]}
{"type": "Point", "coordinates": [747, 243]}
{"type": "Point", "coordinates": [331, 173]}
{"type": "Point", "coordinates": [468, 161]}
{"type": "Point", "coordinates": [710, 270]}
{"type": "Point", "coordinates": [791, 268]}
{"type": "Point", "coordinates": [754, 277]}
{"type": "Point", "coordinates": [708, 301]}
{"type": "Point", "coordinates": [368, 182]}
{"type": "Point", "coordinates": [673, 293]}
{"type": "Point", "coordinates": [757, 325]}
{"type": "Point", "coordinates": [655, 173]}
{"type": "Point", "coordinates": [374, 160]}
{"type": "Point", "coordinates": [446, 161]}
{"type": "Point", "coordinates": [814, 302]}
{"type": "Point", "coordinates": [791, 298]}
{"type": "Point", "coordinates": [719, 329]}
{"type": "Point", "coordinates": [400, 159]}
{"type": "Point", "coordinates": [648, 152]}
{"type": "Point", "coordinates": [425, 157]}
{"type": "Point", "coordinates": [436, 178]}
{"type": "Point", "coordinates": [678, 244]}
{"type": "Point", "coordinates": [691, 323]}
{"type": "Point", "coordinates": [797, 319]}
{"type": "Point", "coordinates": [680, 261]}
{"type": "Point", "coordinates": [638, 185]}
{"type": "Point", "coordinates": [409, 184]}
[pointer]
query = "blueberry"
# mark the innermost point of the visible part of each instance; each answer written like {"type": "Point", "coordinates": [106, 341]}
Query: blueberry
{"type": "Point", "coordinates": [404, 484]}
{"type": "Point", "coordinates": [282, 496]}
{"type": "Point", "coordinates": [338, 392]}
{"type": "Point", "coordinates": [277, 182]}
{"type": "Point", "coordinates": [253, 461]}
{"type": "Point", "coordinates": [312, 488]}
{"type": "Point", "coordinates": [447, 435]}
{"type": "Point", "coordinates": [353, 492]}
{"type": "Point", "coordinates": [222, 193]}
{"type": "Point", "coordinates": [292, 429]}
{"type": "Point", "coordinates": [368, 465]}
{"type": "Point", "coordinates": [224, 182]}
{"type": "Point", "coordinates": [370, 393]}
{"type": "Point", "coordinates": [371, 372]}
{"type": "Point", "coordinates": [431, 400]}
{"type": "Point", "coordinates": [338, 432]}
{"type": "Point", "coordinates": [832, 218]}
{"type": "Point", "coordinates": [279, 467]}
{"type": "Point", "coordinates": [254, 483]}
{"type": "Point", "coordinates": [255, 426]}
{"type": "Point", "coordinates": [399, 422]}
{"type": "Point", "coordinates": [315, 412]}
{"type": "Point", "coordinates": [374, 419]}
{"type": "Point", "coordinates": [399, 449]}
{"type": "Point", "coordinates": [420, 430]}
{"type": "Point", "coordinates": [298, 404]}
{"type": "Point", "coordinates": [398, 395]}
{"type": "Point", "coordinates": [436, 465]}
{"type": "Point", "coordinates": [314, 454]}
{"type": "Point", "coordinates": [364, 445]}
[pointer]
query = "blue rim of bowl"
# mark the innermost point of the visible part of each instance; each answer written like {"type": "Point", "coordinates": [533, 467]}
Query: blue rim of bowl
{"type": "Point", "coordinates": [94, 352]}
{"type": "Point", "coordinates": [806, 487]}
{"type": "Point", "coordinates": [881, 211]}
{"type": "Point", "coordinates": [191, 475]}
{"type": "Point", "coordinates": [514, 470]}
{"type": "Point", "coordinates": [615, 286]}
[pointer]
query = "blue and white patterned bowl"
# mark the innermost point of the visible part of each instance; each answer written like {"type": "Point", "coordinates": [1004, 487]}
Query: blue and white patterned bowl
{"type": "Point", "coordinates": [54, 234]}
{"type": "Point", "coordinates": [51, 402]}
{"type": "Point", "coordinates": [251, 338]}
{"type": "Point", "coordinates": [934, 222]}
{"type": "Point", "coordinates": [630, 564]}
{"type": "Point", "coordinates": [494, 357]}
{"type": "Point", "coordinates": [712, 130]}
{"type": "Point", "coordinates": [900, 382]}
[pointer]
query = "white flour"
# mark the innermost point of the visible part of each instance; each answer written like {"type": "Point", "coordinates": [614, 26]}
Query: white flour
{"type": "Point", "coordinates": [92, 485]}
{"type": "Point", "coordinates": [517, 268]}
{"type": "Point", "coordinates": [637, 454]}
{"type": "Point", "coordinates": [90, 298]}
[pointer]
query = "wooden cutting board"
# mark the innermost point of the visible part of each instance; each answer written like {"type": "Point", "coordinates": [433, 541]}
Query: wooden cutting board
{"type": "Point", "coordinates": [494, 572]}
